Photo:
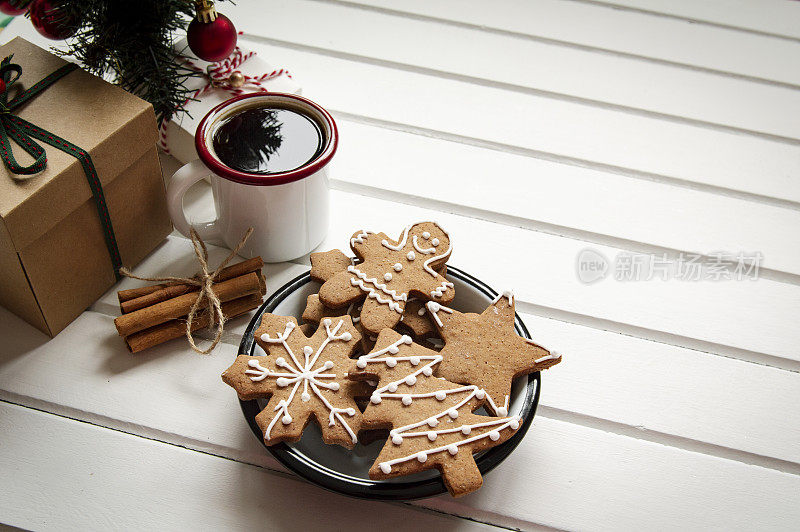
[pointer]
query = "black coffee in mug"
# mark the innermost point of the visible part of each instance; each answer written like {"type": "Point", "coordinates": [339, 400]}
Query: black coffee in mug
{"type": "Point", "coordinates": [265, 140]}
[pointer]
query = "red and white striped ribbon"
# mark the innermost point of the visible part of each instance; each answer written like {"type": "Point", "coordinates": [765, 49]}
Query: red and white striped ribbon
{"type": "Point", "coordinates": [218, 77]}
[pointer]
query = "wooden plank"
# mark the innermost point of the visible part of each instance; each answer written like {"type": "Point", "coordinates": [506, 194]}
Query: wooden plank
{"type": "Point", "coordinates": [530, 65]}
{"type": "Point", "coordinates": [668, 391]}
{"type": "Point", "coordinates": [593, 25]}
{"type": "Point", "coordinates": [566, 467]}
{"type": "Point", "coordinates": [579, 478]}
{"type": "Point", "coordinates": [772, 17]}
{"type": "Point", "coordinates": [705, 314]}
{"type": "Point", "coordinates": [62, 474]}
{"type": "Point", "coordinates": [542, 127]}
{"type": "Point", "coordinates": [751, 315]}
{"type": "Point", "coordinates": [558, 198]}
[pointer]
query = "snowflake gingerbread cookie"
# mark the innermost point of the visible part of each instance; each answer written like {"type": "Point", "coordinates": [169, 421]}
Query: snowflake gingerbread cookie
{"type": "Point", "coordinates": [387, 271]}
{"type": "Point", "coordinates": [431, 419]}
{"type": "Point", "coordinates": [303, 378]}
{"type": "Point", "coordinates": [485, 350]}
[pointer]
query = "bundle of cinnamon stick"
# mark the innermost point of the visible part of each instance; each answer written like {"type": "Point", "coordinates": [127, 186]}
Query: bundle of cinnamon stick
{"type": "Point", "coordinates": [154, 314]}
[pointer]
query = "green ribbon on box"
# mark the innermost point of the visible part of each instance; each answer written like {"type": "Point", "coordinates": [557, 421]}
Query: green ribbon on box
{"type": "Point", "coordinates": [23, 133]}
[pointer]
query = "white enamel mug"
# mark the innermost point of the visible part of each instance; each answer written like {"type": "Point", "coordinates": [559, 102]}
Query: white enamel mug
{"type": "Point", "coordinates": [288, 210]}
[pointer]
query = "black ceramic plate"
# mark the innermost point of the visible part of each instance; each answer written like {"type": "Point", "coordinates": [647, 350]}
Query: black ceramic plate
{"type": "Point", "coordinates": [344, 471]}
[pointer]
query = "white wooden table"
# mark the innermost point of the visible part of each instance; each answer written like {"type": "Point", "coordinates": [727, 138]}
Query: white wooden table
{"type": "Point", "coordinates": [545, 128]}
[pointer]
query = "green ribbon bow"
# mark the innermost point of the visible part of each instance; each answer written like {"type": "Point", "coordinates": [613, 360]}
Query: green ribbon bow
{"type": "Point", "coordinates": [23, 133]}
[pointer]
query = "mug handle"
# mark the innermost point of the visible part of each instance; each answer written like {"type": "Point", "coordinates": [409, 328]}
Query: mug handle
{"type": "Point", "coordinates": [182, 180]}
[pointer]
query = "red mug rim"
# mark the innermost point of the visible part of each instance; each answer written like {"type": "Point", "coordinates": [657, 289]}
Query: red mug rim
{"type": "Point", "coordinates": [216, 166]}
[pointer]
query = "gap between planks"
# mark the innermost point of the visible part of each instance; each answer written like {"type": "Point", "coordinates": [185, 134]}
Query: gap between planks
{"type": "Point", "coordinates": [463, 78]}
{"type": "Point", "coordinates": [163, 438]}
{"type": "Point", "coordinates": [683, 18]}
{"type": "Point", "coordinates": [568, 44]}
{"type": "Point", "coordinates": [534, 225]}
{"type": "Point", "coordinates": [671, 440]}
{"type": "Point", "coordinates": [564, 159]}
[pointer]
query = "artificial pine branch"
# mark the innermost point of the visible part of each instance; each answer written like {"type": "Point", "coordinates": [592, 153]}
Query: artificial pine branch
{"type": "Point", "coordinates": [132, 40]}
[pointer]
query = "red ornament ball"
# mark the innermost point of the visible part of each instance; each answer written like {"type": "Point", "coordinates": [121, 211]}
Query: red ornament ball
{"type": "Point", "coordinates": [51, 20]}
{"type": "Point", "coordinates": [2, 86]}
{"type": "Point", "coordinates": [212, 41]}
{"type": "Point", "coordinates": [9, 7]}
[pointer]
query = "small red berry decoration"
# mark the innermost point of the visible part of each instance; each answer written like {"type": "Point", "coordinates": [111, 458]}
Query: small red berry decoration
{"type": "Point", "coordinates": [14, 7]}
{"type": "Point", "coordinates": [51, 19]}
{"type": "Point", "coordinates": [211, 35]}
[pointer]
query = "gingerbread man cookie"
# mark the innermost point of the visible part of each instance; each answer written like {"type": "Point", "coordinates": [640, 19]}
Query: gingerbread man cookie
{"type": "Point", "coordinates": [431, 419]}
{"type": "Point", "coordinates": [388, 271]}
{"type": "Point", "coordinates": [303, 378]}
{"type": "Point", "coordinates": [325, 265]}
{"type": "Point", "coordinates": [485, 350]}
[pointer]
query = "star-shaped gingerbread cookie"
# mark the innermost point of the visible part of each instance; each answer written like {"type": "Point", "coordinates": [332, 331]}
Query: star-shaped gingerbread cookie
{"type": "Point", "coordinates": [387, 272]}
{"type": "Point", "coordinates": [485, 350]}
{"type": "Point", "coordinates": [431, 419]}
{"type": "Point", "coordinates": [304, 378]}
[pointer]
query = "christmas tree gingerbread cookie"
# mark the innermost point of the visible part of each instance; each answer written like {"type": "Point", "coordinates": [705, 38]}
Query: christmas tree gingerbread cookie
{"type": "Point", "coordinates": [304, 378]}
{"type": "Point", "coordinates": [485, 350]}
{"type": "Point", "coordinates": [431, 419]}
{"type": "Point", "coordinates": [387, 271]}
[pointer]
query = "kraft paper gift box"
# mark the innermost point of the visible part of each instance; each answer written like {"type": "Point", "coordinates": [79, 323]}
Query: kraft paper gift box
{"type": "Point", "coordinates": [180, 130]}
{"type": "Point", "coordinates": [54, 262]}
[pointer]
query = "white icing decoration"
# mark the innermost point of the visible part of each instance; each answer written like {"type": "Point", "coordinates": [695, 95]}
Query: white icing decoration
{"type": "Point", "coordinates": [364, 283]}
{"type": "Point", "coordinates": [426, 235]}
{"type": "Point", "coordinates": [435, 308]}
{"type": "Point", "coordinates": [437, 257]}
{"type": "Point", "coordinates": [424, 251]}
{"type": "Point", "coordinates": [551, 356]}
{"type": "Point", "coordinates": [421, 311]}
{"type": "Point", "coordinates": [400, 245]}
{"type": "Point", "coordinates": [411, 255]}
{"type": "Point", "coordinates": [359, 238]}
{"type": "Point", "coordinates": [508, 294]}
{"type": "Point", "coordinates": [389, 392]}
{"type": "Point", "coordinates": [440, 290]}
{"type": "Point", "coordinates": [304, 373]}
{"type": "Point", "coordinates": [435, 242]}
{"type": "Point", "coordinates": [398, 267]}
{"type": "Point", "coordinates": [387, 277]}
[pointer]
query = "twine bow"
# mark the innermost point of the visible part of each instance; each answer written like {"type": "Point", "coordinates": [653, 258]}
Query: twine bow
{"type": "Point", "coordinates": [217, 76]}
{"type": "Point", "coordinates": [204, 279]}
